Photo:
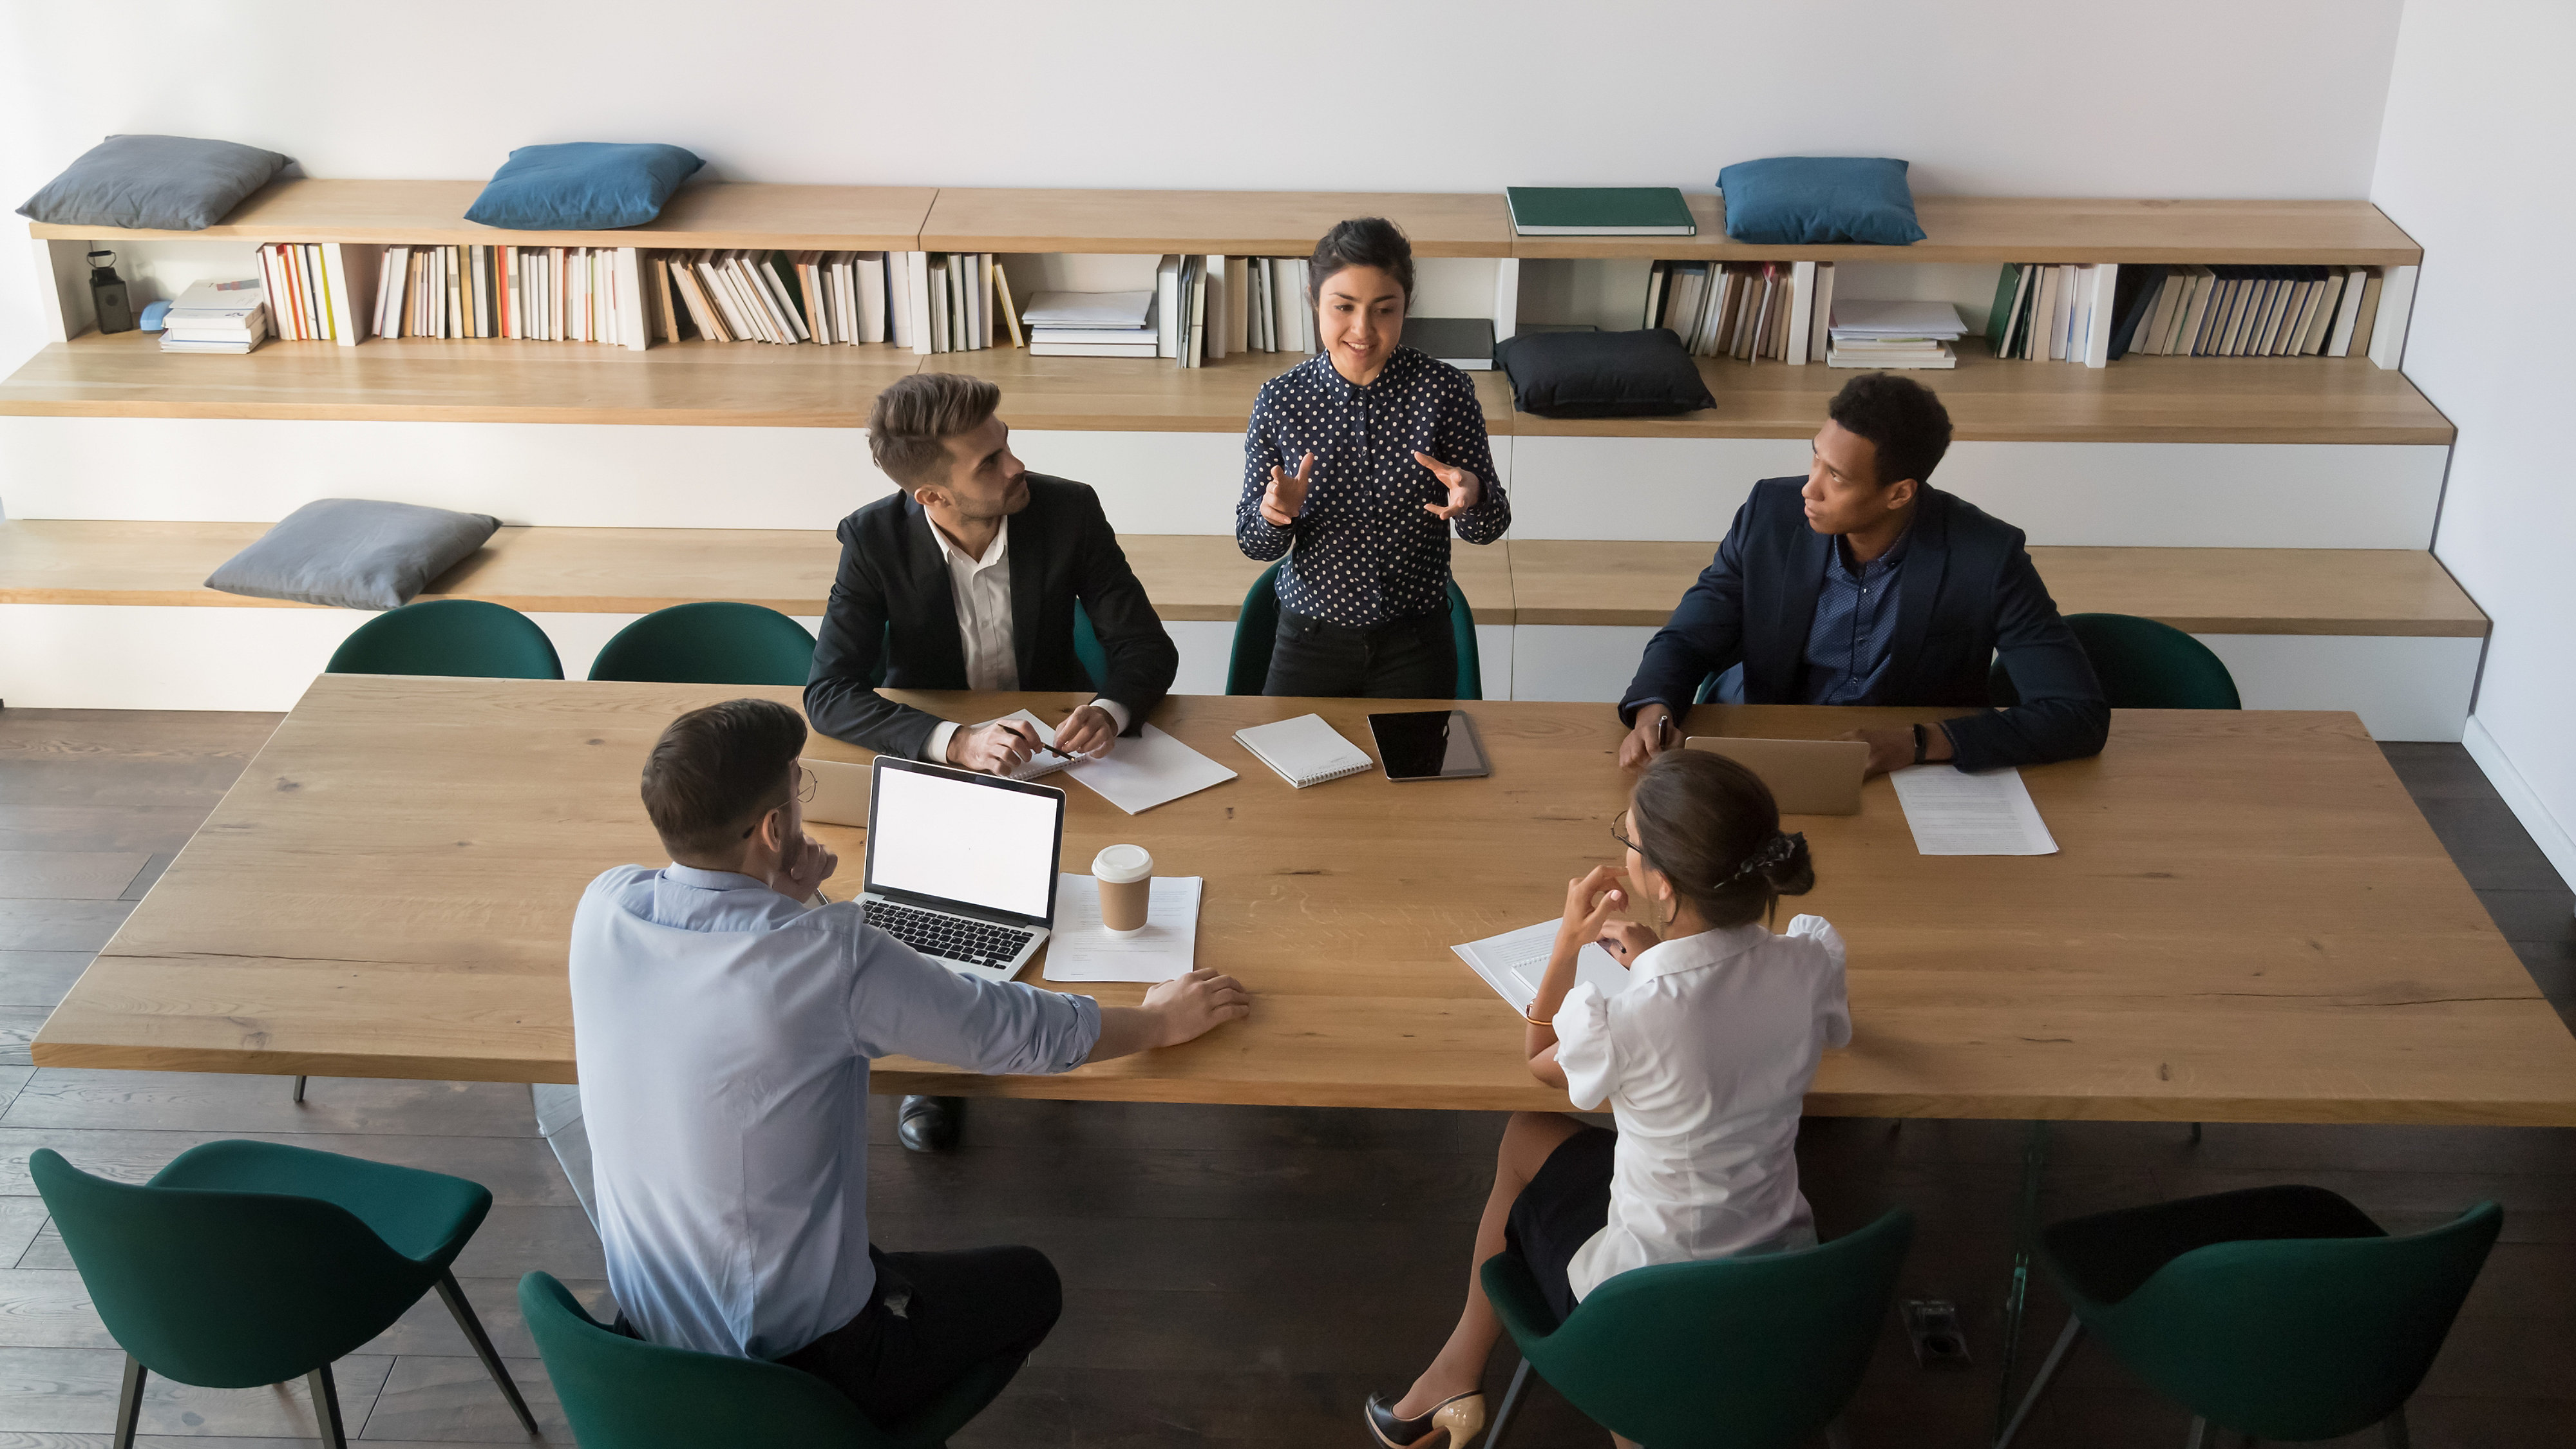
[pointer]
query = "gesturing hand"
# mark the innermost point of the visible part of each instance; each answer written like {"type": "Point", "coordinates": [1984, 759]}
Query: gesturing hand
{"type": "Point", "coordinates": [1465, 488]}
{"type": "Point", "coordinates": [1589, 901]}
{"type": "Point", "coordinates": [1285, 498]}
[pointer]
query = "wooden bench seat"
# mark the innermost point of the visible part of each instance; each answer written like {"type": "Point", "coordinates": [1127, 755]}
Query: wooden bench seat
{"type": "Point", "coordinates": [2380, 592]}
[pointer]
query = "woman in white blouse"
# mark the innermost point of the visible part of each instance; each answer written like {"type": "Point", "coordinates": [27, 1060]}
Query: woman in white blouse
{"type": "Point", "coordinates": [1704, 1058]}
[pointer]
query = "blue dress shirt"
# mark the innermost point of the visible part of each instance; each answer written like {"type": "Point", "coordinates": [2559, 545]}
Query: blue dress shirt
{"type": "Point", "coordinates": [1854, 632]}
{"type": "Point", "coordinates": [723, 1034]}
{"type": "Point", "coordinates": [1367, 553]}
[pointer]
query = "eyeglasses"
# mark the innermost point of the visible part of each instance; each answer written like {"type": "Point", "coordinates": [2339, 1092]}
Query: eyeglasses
{"type": "Point", "coordinates": [806, 785]}
{"type": "Point", "coordinates": [1619, 832]}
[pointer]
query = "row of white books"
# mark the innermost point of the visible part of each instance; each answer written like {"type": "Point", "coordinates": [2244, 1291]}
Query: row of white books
{"type": "Point", "coordinates": [309, 289]}
{"type": "Point", "coordinates": [567, 294]}
{"type": "Point", "coordinates": [2255, 311]}
{"type": "Point", "coordinates": [1202, 309]}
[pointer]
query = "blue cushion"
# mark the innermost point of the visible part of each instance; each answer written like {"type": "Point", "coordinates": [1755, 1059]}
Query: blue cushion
{"type": "Point", "coordinates": [1819, 200]}
{"type": "Point", "coordinates": [158, 183]}
{"type": "Point", "coordinates": [582, 186]}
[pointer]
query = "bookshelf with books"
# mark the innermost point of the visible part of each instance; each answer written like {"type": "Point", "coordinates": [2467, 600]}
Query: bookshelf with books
{"type": "Point", "coordinates": [679, 380]}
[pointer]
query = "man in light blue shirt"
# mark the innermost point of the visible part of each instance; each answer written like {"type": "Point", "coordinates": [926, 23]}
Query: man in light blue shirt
{"type": "Point", "coordinates": [723, 1031]}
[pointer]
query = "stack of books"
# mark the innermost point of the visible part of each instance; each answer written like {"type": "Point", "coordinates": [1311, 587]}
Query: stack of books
{"type": "Point", "coordinates": [845, 295]}
{"type": "Point", "coordinates": [1893, 334]}
{"type": "Point", "coordinates": [2248, 311]}
{"type": "Point", "coordinates": [1092, 324]}
{"type": "Point", "coordinates": [217, 317]}
{"type": "Point", "coordinates": [1744, 310]}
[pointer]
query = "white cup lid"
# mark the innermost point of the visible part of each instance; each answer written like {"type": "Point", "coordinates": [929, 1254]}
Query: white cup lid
{"type": "Point", "coordinates": [1119, 864]}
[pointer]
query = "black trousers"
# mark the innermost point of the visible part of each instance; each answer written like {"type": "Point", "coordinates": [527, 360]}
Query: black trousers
{"type": "Point", "coordinates": [1401, 659]}
{"type": "Point", "coordinates": [935, 1315]}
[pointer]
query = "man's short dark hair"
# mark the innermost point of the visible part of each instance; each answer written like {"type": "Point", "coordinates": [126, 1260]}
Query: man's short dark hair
{"type": "Point", "coordinates": [718, 769]}
{"type": "Point", "coordinates": [909, 428]}
{"type": "Point", "coordinates": [1902, 418]}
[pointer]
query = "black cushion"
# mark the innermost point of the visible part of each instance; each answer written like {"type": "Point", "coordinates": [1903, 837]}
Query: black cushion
{"type": "Point", "coordinates": [1643, 374]}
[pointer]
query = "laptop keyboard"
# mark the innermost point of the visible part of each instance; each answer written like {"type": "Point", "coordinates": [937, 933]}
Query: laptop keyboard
{"type": "Point", "coordinates": [958, 938]}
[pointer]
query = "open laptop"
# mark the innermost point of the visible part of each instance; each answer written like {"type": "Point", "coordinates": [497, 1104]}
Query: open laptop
{"type": "Point", "coordinates": [1807, 777]}
{"type": "Point", "coordinates": [962, 867]}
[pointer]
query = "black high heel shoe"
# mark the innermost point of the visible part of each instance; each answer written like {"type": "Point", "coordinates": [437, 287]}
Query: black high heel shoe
{"type": "Point", "coordinates": [1461, 1417]}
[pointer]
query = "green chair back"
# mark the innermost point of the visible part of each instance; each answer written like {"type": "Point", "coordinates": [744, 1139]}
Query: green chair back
{"type": "Point", "coordinates": [709, 643]}
{"type": "Point", "coordinates": [1086, 647]}
{"type": "Point", "coordinates": [625, 1393]}
{"type": "Point", "coordinates": [226, 1288]}
{"type": "Point", "coordinates": [1736, 1353]}
{"type": "Point", "coordinates": [2297, 1338]}
{"type": "Point", "coordinates": [1256, 633]}
{"type": "Point", "coordinates": [467, 638]}
{"type": "Point", "coordinates": [2143, 664]}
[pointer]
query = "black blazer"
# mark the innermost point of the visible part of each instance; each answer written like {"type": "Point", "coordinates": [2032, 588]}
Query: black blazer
{"type": "Point", "coordinates": [1062, 549]}
{"type": "Point", "coordinates": [1967, 593]}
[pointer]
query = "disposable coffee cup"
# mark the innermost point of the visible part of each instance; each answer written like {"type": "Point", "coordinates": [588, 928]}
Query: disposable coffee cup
{"type": "Point", "coordinates": [1126, 876]}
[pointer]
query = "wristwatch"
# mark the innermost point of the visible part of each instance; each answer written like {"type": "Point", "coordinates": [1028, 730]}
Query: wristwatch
{"type": "Point", "coordinates": [1922, 742]}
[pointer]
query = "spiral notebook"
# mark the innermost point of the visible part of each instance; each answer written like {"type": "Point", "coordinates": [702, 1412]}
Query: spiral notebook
{"type": "Point", "coordinates": [1305, 750]}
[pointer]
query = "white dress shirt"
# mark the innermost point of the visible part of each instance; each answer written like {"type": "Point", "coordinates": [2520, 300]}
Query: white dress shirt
{"type": "Point", "coordinates": [1705, 1059]}
{"type": "Point", "coordinates": [723, 1034]}
{"type": "Point", "coordinates": [981, 590]}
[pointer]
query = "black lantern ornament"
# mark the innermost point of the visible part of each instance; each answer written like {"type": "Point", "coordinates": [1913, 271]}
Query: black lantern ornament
{"type": "Point", "coordinates": [107, 294]}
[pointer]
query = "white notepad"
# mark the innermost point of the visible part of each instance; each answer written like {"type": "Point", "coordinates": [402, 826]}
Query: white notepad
{"type": "Point", "coordinates": [1514, 962]}
{"type": "Point", "coordinates": [1081, 948]}
{"type": "Point", "coordinates": [1305, 750]}
{"type": "Point", "coordinates": [1952, 812]}
{"type": "Point", "coordinates": [1148, 770]}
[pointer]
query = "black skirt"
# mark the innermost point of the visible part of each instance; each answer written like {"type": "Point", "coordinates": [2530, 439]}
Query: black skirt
{"type": "Point", "coordinates": [1563, 1206]}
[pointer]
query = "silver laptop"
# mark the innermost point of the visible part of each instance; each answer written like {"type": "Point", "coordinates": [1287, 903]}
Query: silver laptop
{"type": "Point", "coordinates": [961, 866]}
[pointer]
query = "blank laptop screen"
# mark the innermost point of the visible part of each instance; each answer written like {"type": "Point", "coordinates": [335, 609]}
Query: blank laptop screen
{"type": "Point", "coordinates": [964, 842]}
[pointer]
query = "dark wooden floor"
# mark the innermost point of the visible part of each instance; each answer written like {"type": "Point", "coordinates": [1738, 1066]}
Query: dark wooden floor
{"type": "Point", "coordinates": [1234, 1276]}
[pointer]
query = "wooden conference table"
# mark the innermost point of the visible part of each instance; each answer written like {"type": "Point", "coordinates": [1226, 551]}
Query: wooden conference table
{"type": "Point", "coordinates": [2248, 919]}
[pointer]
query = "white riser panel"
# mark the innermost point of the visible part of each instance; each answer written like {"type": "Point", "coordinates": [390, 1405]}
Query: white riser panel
{"type": "Point", "coordinates": [98, 656]}
{"type": "Point", "coordinates": [561, 474]}
{"type": "Point", "coordinates": [566, 475]}
{"type": "Point", "coordinates": [2403, 688]}
{"type": "Point", "coordinates": [2180, 495]}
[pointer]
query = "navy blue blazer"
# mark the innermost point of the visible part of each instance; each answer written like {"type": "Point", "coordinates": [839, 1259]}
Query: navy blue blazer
{"type": "Point", "coordinates": [1968, 593]}
{"type": "Point", "coordinates": [892, 606]}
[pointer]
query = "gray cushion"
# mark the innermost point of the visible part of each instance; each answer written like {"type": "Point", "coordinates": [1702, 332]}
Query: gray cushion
{"type": "Point", "coordinates": [353, 554]}
{"type": "Point", "coordinates": [159, 183]}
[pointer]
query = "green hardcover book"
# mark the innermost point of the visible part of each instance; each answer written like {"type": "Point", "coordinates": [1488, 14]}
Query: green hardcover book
{"type": "Point", "coordinates": [2000, 316]}
{"type": "Point", "coordinates": [1600, 211]}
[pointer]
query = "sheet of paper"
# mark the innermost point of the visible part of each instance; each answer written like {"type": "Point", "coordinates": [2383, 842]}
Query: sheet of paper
{"type": "Point", "coordinates": [1083, 950]}
{"type": "Point", "coordinates": [1952, 812]}
{"type": "Point", "coordinates": [1147, 770]}
{"type": "Point", "coordinates": [1514, 962]}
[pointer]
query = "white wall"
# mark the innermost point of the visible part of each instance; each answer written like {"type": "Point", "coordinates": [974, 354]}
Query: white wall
{"type": "Point", "coordinates": [1993, 96]}
{"type": "Point", "coordinates": [2471, 163]}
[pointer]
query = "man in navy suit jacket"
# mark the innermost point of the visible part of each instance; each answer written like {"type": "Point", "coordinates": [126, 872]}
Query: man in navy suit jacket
{"type": "Point", "coordinates": [1861, 584]}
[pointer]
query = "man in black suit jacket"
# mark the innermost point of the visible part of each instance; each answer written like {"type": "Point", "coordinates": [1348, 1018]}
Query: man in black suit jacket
{"type": "Point", "coordinates": [967, 580]}
{"type": "Point", "coordinates": [1861, 584]}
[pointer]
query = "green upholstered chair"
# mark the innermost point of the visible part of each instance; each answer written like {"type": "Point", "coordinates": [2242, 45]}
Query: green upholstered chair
{"type": "Point", "coordinates": [1735, 1353]}
{"type": "Point", "coordinates": [625, 1393]}
{"type": "Point", "coordinates": [1256, 632]}
{"type": "Point", "coordinates": [462, 637]}
{"type": "Point", "coordinates": [2142, 664]}
{"type": "Point", "coordinates": [709, 643]}
{"type": "Point", "coordinates": [249, 1263]}
{"type": "Point", "coordinates": [2284, 1313]}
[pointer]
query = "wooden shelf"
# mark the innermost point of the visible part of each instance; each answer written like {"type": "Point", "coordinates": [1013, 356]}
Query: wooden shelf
{"type": "Point", "coordinates": [2134, 400]}
{"type": "Point", "coordinates": [1150, 394]}
{"type": "Point", "coordinates": [1231, 223]}
{"type": "Point", "coordinates": [2375, 592]}
{"type": "Point", "coordinates": [2052, 229]}
{"type": "Point", "coordinates": [489, 380]}
{"type": "Point", "coordinates": [2199, 590]}
{"type": "Point", "coordinates": [714, 214]}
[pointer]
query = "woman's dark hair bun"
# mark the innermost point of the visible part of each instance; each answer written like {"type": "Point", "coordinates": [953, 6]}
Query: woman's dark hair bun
{"type": "Point", "coordinates": [1700, 817]}
{"type": "Point", "coordinates": [1362, 241]}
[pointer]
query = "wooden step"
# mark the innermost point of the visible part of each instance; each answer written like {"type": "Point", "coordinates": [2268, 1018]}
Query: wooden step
{"type": "Point", "coordinates": [2372, 592]}
{"type": "Point", "coordinates": [2355, 591]}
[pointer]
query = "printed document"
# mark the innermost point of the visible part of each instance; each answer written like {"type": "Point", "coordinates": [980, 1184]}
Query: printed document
{"type": "Point", "coordinates": [1952, 812]}
{"type": "Point", "coordinates": [1514, 963]}
{"type": "Point", "coordinates": [1083, 950]}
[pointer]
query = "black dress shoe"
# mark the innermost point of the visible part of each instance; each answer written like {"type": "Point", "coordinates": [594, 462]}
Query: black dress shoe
{"type": "Point", "coordinates": [1455, 1420]}
{"type": "Point", "coordinates": [929, 1124]}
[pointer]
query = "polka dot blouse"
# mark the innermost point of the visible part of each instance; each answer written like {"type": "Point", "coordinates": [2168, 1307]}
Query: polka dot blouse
{"type": "Point", "coordinates": [1366, 552]}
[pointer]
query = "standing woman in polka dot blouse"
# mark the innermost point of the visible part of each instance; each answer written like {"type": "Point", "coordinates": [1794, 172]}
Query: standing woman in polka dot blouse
{"type": "Point", "coordinates": [1357, 462]}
